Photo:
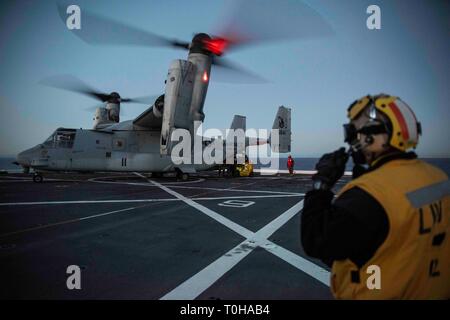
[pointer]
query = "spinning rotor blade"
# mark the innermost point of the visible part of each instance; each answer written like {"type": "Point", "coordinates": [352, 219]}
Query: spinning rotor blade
{"type": "Point", "coordinates": [100, 30]}
{"type": "Point", "coordinates": [252, 21]}
{"type": "Point", "coordinates": [71, 83]}
{"type": "Point", "coordinates": [141, 100]}
{"type": "Point", "coordinates": [230, 72]}
{"type": "Point", "coordinates": [248, 22]}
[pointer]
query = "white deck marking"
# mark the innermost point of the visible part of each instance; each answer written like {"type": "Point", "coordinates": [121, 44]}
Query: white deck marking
{"type": "Point", "coordinates": [236, 204]}
{"type": "Point", "coordinates": [165, 183]}
{"type": "Point", "coordinates": [194, 286]}
{"type": "Point", "coordinates": [214, 215]}
{"type": "Point", "coordinates": [197, 284]}
{"type": "Point", "coordinates": [298, 262]}
{"type": "Point", "coordinates": [236, 190]}
{"type": "Point", "coordinates": [184, 182]}
{"type": "Point", "coordinates": [116, 211]}
{"type": "Point", "coordinates": [125, 183]}
{"type": "Point", "coordinates": [268, 171]}
{"type": "Point", "coordinates": [67, 221]}
{"type": "Point", "coordinates": [34, 203]}
{"type": "Point", "coordinates": [149, 184]}
{"type": "Point", "coordinates": [83, 202]}
{"type": "Point", "coordinates": [18, 178]}
{"type": "Point", "coordinates": [251, 197]}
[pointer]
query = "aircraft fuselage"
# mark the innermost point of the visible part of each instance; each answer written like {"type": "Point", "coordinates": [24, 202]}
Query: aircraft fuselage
{"type": "Point", "coordinates": [124, 149]}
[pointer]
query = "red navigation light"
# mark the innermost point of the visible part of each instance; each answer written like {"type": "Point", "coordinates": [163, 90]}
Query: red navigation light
{"type": "Point", "coordinates": [216, 45]}
{"type": "Point", "coordinates": [205, 77]}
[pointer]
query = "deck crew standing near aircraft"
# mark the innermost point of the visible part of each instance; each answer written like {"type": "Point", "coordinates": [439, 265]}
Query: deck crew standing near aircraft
{"type": "Point", "coordinates": [392, 218]}
{"type": "Point", "coordinates": [290, 164]}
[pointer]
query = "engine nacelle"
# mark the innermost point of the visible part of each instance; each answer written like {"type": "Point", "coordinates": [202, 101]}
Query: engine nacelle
{"type": "Point", "coordinates": [202, 64]}
{"type": "Point", "coordinates": [177, 101]}
{"type": "Point", "coordinates": [100, 117]}
{"type": "Point", "coordinates": [186, 87]}
{"type": "Point", "coordinates": [107, 115]}
{"type": "Point", "coordinates": [113, 110]}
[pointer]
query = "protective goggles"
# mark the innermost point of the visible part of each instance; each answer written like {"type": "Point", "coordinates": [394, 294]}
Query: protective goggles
{"type": "Point", "coordinates": [351, 133]}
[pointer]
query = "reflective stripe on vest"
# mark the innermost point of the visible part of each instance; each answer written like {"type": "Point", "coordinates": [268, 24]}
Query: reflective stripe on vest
{"type": "Point", "coordinates": [429, 194]}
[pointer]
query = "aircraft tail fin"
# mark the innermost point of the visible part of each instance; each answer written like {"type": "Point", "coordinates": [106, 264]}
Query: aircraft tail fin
{"type": "Point", "coordinates": [239, 122]}
{"type": "Point", "coordinates": [282, 122]}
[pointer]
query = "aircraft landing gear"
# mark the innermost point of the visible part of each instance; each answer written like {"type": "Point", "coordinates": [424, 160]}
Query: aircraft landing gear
{"type": "Point", "coordinates": [37, 177]}
{"type": "Point", "coordinates": [182, 176]}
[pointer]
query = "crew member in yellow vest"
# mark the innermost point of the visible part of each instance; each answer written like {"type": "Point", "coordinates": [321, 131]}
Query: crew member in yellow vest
{"type": "Point", "coordinates": [386, 234]}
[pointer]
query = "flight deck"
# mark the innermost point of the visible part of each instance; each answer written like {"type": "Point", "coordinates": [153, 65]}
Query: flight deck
{"type": "Point", "coordinates": [135, 237]}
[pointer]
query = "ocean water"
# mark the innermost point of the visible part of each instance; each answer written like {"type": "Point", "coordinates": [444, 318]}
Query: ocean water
{"type": "Point", "coordinates": [309, 163]}
{"type": "Point", "coordinates": [6, 163]}
{"type": "Point", "coordinates": [300, 164]}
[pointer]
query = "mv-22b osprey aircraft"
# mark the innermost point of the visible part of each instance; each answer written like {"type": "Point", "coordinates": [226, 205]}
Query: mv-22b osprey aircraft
{"type": "Point", "coordinates": [144, 143]}
{"type": "Point", "coordinates": [137, 145]}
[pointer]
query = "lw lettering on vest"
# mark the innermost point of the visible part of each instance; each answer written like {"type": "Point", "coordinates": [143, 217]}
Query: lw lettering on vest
{"type": "Point", "coordinates": [433, 271]}
{"type": "Point", "coordinates": [432, 212]}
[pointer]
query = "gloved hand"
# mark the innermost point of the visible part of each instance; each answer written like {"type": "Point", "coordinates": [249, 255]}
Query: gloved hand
{"type": "Point", "coordinates": [358, 170]}
{"type": "Point", "coordinates": [331, 167]}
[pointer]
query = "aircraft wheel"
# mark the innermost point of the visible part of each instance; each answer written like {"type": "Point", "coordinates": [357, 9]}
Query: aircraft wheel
{"type": "Point", "coordinates": [182, 176]}
{"type": "Point", "coordinates": [38, 178]}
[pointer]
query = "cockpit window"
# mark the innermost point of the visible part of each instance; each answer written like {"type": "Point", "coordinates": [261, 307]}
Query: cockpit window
{"type": "Point", "coordinates": [64, 139]}
{"type": "Point", "coordinates": [49, 143]}
{"type": "Point", "coordinates": [61, 139]}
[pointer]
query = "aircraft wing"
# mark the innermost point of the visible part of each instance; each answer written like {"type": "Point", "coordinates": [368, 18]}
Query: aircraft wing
{"type": "Point", "coordinates": [148, 119]}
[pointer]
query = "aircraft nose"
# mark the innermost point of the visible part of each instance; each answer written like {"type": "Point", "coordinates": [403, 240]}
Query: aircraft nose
{"type": "Point", "coordinates": [24, 158]}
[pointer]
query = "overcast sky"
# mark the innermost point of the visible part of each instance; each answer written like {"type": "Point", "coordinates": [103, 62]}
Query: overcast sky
{"type": "Point", "coordinates": [318, 78]}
